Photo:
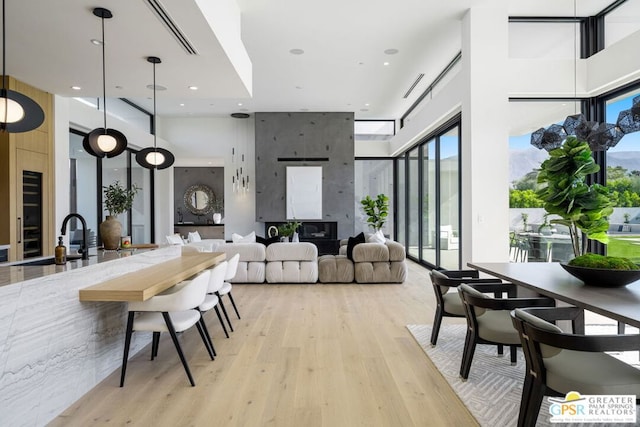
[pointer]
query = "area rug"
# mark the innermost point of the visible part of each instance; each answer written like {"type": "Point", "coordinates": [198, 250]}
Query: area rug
{"type": "Point", "coordinates": [492, 392]}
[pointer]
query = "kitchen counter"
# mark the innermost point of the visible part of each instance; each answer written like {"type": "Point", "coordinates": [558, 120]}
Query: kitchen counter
{"type": "Point", "coordinates": [11, 272]}
{"type": "Point", "coordinates": [55, 348]}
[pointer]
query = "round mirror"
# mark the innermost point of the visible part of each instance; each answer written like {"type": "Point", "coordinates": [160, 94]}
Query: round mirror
{"type": "Point", "coordinates": [199, 199]}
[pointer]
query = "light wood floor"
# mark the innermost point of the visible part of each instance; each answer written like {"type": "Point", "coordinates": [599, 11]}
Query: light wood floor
{"type": "Point", "coordinates": [302, 355]}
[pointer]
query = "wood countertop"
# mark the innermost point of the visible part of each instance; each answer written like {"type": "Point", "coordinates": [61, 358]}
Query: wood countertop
{"type": "Point", "coordinates": [142, 284]}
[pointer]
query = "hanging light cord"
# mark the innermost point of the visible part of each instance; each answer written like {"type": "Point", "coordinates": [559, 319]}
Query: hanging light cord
{"type": "Point", "coordinates": [4, 50]}
{"type": "Point", "coordinates": [575, 58]}
{"type": "Point", "coordinates": [155, 119]}
{"type": "Point", "coordinates": [104, 79]}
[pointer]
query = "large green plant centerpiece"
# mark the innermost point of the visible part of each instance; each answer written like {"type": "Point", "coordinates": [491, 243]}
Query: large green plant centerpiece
{"type": "Point", "coordinates": [117, 199]}
{"type": "Point", "coordinates": [376, 210]}
{"type": "Point", "coordinates": [565, 192]}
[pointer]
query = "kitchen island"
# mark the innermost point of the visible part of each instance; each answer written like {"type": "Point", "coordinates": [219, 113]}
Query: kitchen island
{"type": "Point", "coordinates": [54, 347]}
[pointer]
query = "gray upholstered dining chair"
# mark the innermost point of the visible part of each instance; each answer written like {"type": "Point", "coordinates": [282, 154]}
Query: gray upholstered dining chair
{"type": "Point", "coordinates": [559, 362]}
{"type": "Point", "coordinates": [488, 319]}
{"type": "Point", "coordinates": [449, 304]}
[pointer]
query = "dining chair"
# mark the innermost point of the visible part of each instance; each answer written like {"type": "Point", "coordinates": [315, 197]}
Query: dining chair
{"type": "Point", "coordinates": [232, 267]}
{"type": "Point", "coordinates": [559, 362]}
{"type": "Point", "coordinates": [488, 319]}
{"type": "Point", "coordinates": [171, 311]}
{"type": "Point", "coordinates": [212, 300]}
{"type": "Point", "coordinates": [449, 304]}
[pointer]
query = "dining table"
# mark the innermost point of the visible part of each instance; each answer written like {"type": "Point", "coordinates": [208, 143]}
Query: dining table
{"type": "Point", "coordinates": [551, 280]}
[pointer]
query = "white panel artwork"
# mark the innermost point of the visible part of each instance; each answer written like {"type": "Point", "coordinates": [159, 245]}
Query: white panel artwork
{"type": "Point", "coordinates": [304, 192]}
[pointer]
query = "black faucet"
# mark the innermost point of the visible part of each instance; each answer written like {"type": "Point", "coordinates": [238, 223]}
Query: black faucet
{"type": "Point", "coordinates": [84, 250]}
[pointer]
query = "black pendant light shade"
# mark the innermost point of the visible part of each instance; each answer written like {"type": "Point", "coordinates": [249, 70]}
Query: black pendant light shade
{"type": "Point", "coordinates": [154, 157]}
{"type": "Point", "coordinates": [18, 112]}
{"type": "Point", "coordinates": [103, 141]}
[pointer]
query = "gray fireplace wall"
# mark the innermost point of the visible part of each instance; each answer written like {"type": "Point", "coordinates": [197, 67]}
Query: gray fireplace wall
{"type": "Point", "coordinates": [324, 139]}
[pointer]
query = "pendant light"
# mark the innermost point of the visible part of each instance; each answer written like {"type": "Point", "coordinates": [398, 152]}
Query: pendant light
{"type": "Point", "coordinates": [18, 112]}
{"type": "Point", "coordinates": [599, 136]}
{"type": "Point", "coordinates": [103, 141]}
{"type": "Point", "coordinates": [154, 157]}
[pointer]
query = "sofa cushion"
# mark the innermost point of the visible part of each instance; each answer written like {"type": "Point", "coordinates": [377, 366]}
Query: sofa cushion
{"type": "Point", "coordinates": [396, 251]}
{"type": "Point", "coordinates": [175, 239]}
{"type": "Point", "coordinates": [292, 271]}
{"type": "Point", "coordinates": [194, 236]}
{"type": "Point", "coordinates": [301, 251]}
{"type": "Point", "coordinates": [248, 251]}
{"type": "Point", "coordinates": [249, 238]}
{"type": "Point", "coordinates": [370, 252]}
{"type": "Point", "coordinates": [376, 237]}
{"type": "Point", "coordinates": [352, 242]}
{"type": "Point", "coordinates": [335, 269]}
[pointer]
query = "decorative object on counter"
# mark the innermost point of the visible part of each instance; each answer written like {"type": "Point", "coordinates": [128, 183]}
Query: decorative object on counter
{"type": "Point", "coordinates": [103, 141]}
{"type": "Point", "coordinates": [154, 157]}
{"type": "Point", "coordinates": [217, 206]}
{"type": "Point", "coordinates": [117, 199]}
{"type": "Point", "coordinates": [18, 112]}
{"type": "Point", "coordinates": [217, 218]}
{"type": "Point", "coordinates": [180, 217]}
{"type": "Point", "coordinates": [603, 271]}
{"type": "Point", "coordinates": [125, 242]}
{"type": "Point", "coordinates": [60, 252]}
{"type": "Point", "coordinates": [376, 210]}
{"type": "Point", "coordinates": [272, 231]}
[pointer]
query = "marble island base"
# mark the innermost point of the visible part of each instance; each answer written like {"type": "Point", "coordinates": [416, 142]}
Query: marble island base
{"type": "Point", "coordinates": [54, 348]}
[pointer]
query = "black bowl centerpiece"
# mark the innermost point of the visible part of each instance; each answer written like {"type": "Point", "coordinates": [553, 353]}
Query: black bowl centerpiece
{"type": "Point", "coordinates": [603, 271]}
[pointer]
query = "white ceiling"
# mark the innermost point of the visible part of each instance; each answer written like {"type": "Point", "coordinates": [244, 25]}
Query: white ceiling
{"type": "Point", "coordinates": [48, 46]}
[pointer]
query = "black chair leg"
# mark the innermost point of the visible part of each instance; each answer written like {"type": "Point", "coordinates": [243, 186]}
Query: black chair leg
{"type": "Point", "coordinates": [437, 321]}
{"type": "Point", "coordinates": [154, 345]}
{"type": "Point", "coordinates": [224, 311]}
{"type": "Point", "coordinates": [127, 342]}
{"type": "Point", "coordinates": [514, 355]}
{"type": "Point", "coordinates": [206, 338]}
{"type": "Point", "coordinates": [233, 303]}
{"type": "Point", "coordinates": [174, 338]}
{"type": "Point", "coordinates": [467, 354]}
{"type": "Point", "coordinates": [224, 327]}
{"type": "Point", "coordinates": [500, 350]}
{"type": "Point", "coordinates": [535, 401]}
{"type": "Point", "coordinates": [526, 397]}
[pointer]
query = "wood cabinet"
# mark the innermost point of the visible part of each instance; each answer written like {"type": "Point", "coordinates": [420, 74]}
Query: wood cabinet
{"type": "Point", "coordinates": [208, 231]}
{"type": "Point", "coordinates": [27, 191]}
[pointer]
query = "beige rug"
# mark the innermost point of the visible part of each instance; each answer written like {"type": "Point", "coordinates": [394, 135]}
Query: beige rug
{"type": "Point", "coordinates": [492, 392]}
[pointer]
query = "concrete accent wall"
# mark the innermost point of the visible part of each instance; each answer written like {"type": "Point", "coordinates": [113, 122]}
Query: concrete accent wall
{"type": "Point", "coordinates": [185, 177]}
{"type": "Point", "coordinates": [305, 135]}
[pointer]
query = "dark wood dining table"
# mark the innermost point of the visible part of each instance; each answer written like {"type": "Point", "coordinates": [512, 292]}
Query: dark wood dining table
{"type": "Point", "coordinates": [551, 280]}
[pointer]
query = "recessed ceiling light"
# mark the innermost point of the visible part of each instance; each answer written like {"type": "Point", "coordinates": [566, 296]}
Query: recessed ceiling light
{"type": "Point", "coordinates": [193, 87]}
{"type": "Point", "coordinates": [76, 88]}
{"type": "Point", "coordinates": [298, 87]}
{"type": "Point", "coordinates": [360, 63]}
{"type": "Point", "coordinates": [182, 105]}
{"type": "Point", "coordinates": [158, 87]}
{"type": "Point", "coordinates": [239, 104]}
{"type": "Point", "coordinates": [367, 104]}
{"type": "Point", "coordinates": [96, 42]}
{"type": "Point", "coordinates": [296, 51]}
{"type": "Point", "coordinates": [391, 51]}
{"type": "Point", "coordinates": [385, 63]}
{"type": "Point", "coordinates": [118, 87]}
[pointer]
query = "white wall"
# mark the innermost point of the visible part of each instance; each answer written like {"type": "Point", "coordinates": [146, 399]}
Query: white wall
{"type": "Point", "coordinates": [208, 141]}
{"type": "Point", "coordinates": [75, 114]}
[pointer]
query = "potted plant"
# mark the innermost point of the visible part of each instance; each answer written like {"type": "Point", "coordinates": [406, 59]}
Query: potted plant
{"type": "Point", "coordinates": [376, 210]}
{"type": "Point", "coordinates": [288, 229]}
{"type": "Point", "coordinates": [117, 199]}
{"type": "Point", "coordinates": [218, 206]}
{"type": "Point", "coordinates": [583, 208]}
